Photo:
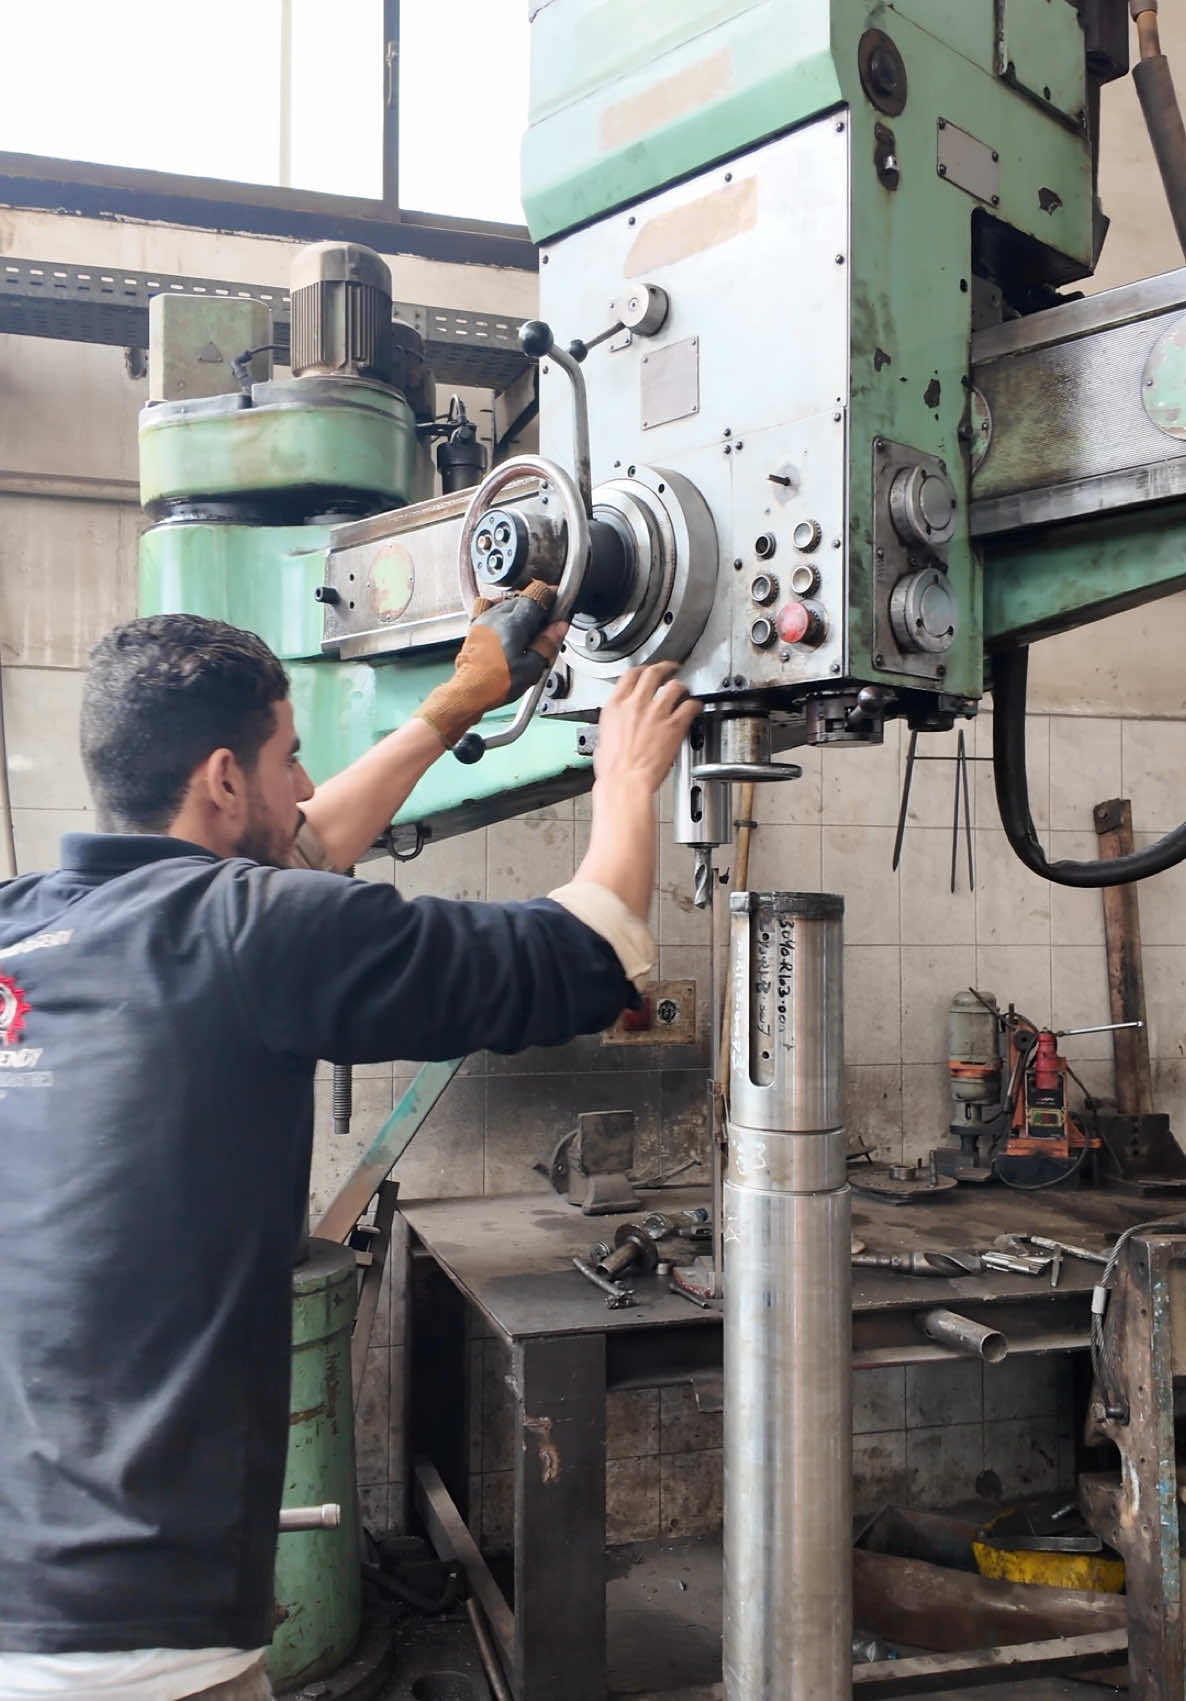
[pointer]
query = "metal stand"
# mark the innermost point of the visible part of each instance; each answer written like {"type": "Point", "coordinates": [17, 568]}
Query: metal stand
{"type": "Point", "coordinates": [788, 1381]}
{"type": "Point", "coordinates": [1138, 1352]}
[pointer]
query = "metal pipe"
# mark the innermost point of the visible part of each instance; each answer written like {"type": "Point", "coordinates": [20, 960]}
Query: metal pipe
{"type": "Point", "coordinates": [1163, 117]}
{"type": "Point", "coordinates": [486, 1653]}
{"type": "Point", "coordinates": [788, 1324]}
{"type": "Point", "coordinates": [327, 1517]}
{"type": "Point", "coordinates": [975, 1340]}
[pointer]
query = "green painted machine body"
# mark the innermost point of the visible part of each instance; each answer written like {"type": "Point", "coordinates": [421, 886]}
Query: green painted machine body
{"type": "Point", "coordinates": [311, 440]}
{"type": "Point", "coordinates": [625, 102]}
{"type": "Point", "coordinates": [264, 578]}
{"type": "Point", "coordinates": [318, 1584]}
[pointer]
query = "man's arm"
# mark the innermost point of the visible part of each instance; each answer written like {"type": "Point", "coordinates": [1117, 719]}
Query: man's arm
{"type": "Point", "coordinates": [641, 729]}
{"type": "Point", "coordinates": [348, 812]}
{"type": "Point", "coordinates": [349, 971]}
{"type": "Point", "coordinates": [505, 650]}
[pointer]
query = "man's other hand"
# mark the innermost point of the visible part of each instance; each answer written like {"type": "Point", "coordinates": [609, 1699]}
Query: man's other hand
{"type": "Point", "coordinates": [643, 725]}
{"type": "Point", "coordinates": [507, 649]}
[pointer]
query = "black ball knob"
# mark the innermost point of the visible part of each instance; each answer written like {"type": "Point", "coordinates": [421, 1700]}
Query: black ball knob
{"type": "Point", "coordinates": [535, 338]}
{"type": "Point", "coordinates": [470, 749]}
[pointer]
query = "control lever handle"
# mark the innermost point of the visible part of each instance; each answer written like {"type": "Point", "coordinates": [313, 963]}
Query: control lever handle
{"type": "Point", "coordinates": [574, 511]}
{"type": "Point", "coordinates": [537, 341]}
{"type": "Point", "coordinates": [576, 499]}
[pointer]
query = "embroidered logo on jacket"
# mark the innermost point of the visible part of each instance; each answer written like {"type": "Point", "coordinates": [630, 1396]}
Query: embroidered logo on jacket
{"type": "Point", "coordinates": [14, 1008]}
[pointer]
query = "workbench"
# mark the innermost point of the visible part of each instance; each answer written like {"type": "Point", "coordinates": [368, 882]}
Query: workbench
{"type": "Point", "coordinates": [510, 1258]}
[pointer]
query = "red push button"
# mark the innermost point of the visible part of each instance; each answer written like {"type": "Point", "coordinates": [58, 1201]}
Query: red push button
{"type": "Point", "coordinates": [799, 623]}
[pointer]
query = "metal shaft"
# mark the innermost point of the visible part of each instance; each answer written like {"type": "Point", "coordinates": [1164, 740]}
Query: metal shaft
{"type": "Point", "coordinates": [619, 1296]}
{"type": "Point", "coordinates": [327, 1517]}
{"type": "Point", "coordinates": [788, 1326]}
{"type": "Point", "coordinates": [964, 1334]}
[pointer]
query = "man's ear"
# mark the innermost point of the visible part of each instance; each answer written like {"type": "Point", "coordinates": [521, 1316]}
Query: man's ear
{"type": "Point", "coordinates": [223, 786]}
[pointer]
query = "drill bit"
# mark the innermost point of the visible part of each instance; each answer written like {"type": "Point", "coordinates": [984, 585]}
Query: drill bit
{"type": "Point", "coordinates": [702, 876]}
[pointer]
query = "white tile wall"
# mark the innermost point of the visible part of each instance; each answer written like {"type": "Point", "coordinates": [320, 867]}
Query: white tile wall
{"type": "Point", "coordinates": [1154, 763]}
{"type": "Point", "coordinates": [1085, 768]}
{"type": "Point", "coordinates": [1077, 913]}
{"type": "Point", "coordinates": [67, 574]}
{"type": "Point", "coordinates": [931, 976]}
{"type": "Point", "coordinates": [932, 914]}
{"type": "Point", "coordinates": [853, 861]}
{"type": "Point", "coordinates": [37, 833]}
{"type": "Point", "coordinates": [1163, 898]}
{"type": "Point", "coordinates": [861, 783]}
{"type": "Point", "coordinates": [41, 707]}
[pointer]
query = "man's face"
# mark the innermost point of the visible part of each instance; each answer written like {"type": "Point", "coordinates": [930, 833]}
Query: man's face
{"type": "Point", "coordinates": [275, 792]}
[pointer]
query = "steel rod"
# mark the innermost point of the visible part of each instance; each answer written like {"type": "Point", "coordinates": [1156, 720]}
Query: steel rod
{"type": "Point", "coordinates": [974, 1340]}
{"type": "Point", "coordinates": [788, 1326]}
{"type": "Point", "coordinates": [327, 1517]}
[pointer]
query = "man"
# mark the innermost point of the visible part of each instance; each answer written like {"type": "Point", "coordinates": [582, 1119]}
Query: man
{"type": "Point", "coordinates": [164, 999]}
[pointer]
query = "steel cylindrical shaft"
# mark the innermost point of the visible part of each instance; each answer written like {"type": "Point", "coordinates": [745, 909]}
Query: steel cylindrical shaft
{"type": "Point", "coordinates": [964, 1334]}
{"type": "Point", "coordinates": [788, 1328]}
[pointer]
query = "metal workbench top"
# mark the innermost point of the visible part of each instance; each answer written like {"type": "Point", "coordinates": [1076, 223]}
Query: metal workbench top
{"type": "Point", "coordinates": [511, 1255]}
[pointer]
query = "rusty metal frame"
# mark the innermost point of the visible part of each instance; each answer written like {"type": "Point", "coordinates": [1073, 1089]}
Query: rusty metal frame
{"type": "Point", "coordinates": [1137, 1510]}
{"type": "Point", "coordinates": [372, 1256]}
{"type": "Point", "coordinates": [922, 1672]}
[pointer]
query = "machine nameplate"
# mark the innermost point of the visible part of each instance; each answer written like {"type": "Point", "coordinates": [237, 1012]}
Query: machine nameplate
{"type": "Point", "coordinates": [669, 383]}
{"type": "Point", "coordinates": [971, 165]}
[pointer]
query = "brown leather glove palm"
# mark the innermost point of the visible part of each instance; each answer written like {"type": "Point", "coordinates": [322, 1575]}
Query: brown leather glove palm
{"type": "Point", "coordinates": [504, 654]}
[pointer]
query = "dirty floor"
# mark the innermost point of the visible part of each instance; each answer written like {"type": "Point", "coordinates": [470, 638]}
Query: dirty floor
{"type": "Point", "coordinates": [664, 1603]}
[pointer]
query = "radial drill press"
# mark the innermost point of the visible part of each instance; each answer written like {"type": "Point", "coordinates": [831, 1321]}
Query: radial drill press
{"type": "Point", "coordinates": [808, 395]}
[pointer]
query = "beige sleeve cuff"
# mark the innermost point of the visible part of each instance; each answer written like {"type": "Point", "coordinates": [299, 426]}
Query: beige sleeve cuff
{"type": "Point", "coordinates": [309, 852]}
{"type": "Point", "coordinates": [606, 914]}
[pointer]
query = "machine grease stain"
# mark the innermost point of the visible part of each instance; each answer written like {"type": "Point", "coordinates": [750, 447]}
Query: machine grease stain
{"type": "Point", "coordinates": [549, 1453]}
{"type": "Point", "coordinates": [933, 394]}
{"type": "Point", "coordinates": [880, 359]}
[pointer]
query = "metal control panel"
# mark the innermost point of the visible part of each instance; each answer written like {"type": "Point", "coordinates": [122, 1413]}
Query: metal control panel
{"type": "Point", "coordinates": [743, 393]}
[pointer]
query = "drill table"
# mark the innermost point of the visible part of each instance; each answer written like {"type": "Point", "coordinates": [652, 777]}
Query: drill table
{"type": "Point", "coordinates": [510, 1258]}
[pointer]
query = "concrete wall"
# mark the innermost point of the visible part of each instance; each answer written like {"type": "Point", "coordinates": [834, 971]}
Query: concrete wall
{"type": "Point", "coordinates": [1108, 721]}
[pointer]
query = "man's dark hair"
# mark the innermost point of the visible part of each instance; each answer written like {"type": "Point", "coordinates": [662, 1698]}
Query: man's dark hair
{"type": "Point", "coordinates": [160, 696]}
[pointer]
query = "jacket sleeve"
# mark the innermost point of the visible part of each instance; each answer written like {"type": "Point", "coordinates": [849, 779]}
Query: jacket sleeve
{"type": "Point", "coordinates": [349, 971]}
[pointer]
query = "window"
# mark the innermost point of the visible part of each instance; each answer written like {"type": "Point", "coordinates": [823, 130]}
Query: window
{"type": "Point", "coordinates": [462, 106]}
{"type": "Point", "coordinates": [284, 92]}
{"type": "Point", "coordinates": [395, 123]}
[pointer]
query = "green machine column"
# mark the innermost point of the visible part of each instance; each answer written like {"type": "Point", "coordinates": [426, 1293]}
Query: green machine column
{"type": "Point", "coordinates": [318, 1583]}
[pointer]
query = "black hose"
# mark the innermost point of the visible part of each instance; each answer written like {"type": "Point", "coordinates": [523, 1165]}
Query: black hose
{"type": "Point", "coordinates": [1163, 117]}
{"type": "Point", "coordinates": [428, 1606]}
{"type": "Point", "coordinates": [1072, 1169]}
{"type": "Point", "coordinates": [1009, 672]}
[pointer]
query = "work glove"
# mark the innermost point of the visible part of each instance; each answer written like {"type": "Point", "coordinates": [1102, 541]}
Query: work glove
{"type": "Point", "coordinates": [504, 654]}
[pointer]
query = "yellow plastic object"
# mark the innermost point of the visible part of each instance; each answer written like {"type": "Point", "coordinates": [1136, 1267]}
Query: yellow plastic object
{"type": "Point", "coordinates": [1056, 1570]}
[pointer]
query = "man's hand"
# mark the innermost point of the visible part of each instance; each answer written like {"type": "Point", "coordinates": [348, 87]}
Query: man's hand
{"type": "Point", "coordinates": [643, 725]}
{"type": "Point", "coordinates": [506, 650]}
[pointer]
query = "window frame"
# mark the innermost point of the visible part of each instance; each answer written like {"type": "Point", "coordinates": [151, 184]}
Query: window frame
{"type": "Point", "coordinates": [38, 181]}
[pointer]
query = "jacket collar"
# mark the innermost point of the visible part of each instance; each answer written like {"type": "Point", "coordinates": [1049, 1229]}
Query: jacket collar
{"type": "Point", "coordinates": [108, 854]}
